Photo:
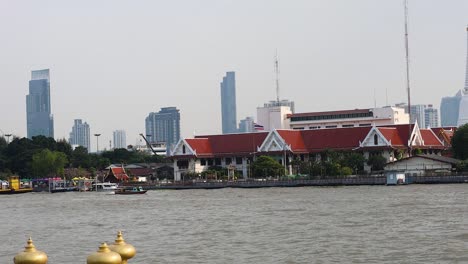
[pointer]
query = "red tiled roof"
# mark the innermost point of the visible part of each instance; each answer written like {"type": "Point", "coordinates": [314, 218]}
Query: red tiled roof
{"type": "Point", "coordinates": [430, 139]}
{"type": "Point", "coordinates": [227, 144]}
{"type": "Point", "coordinates": [293, 138]}
{"type": "Point", "coordinates": [335, 138]}
{"type": "Point", "coordinates": [119, 173]}
{"type": "Point", "coordinates": [392, 135]}
{"type": "Point", "coordinates": [201, 146]}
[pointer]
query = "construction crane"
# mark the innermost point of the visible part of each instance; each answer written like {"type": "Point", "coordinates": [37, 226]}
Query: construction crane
{"type": "Point", "coordinates": [148, 144]}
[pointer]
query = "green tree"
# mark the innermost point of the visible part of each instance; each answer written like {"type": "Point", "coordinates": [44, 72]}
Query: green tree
{"type": "Point", "coordinates": [266, 166]}
{"type": "Point", "coordinates": [355, 161]}
{"type": "Point", "coordinates": [460, 143]}
{"type": "Point", "coordinates": [80, 158]}
{"type": "Point", "coordinates": [48, 163]}
{"type": "Point", "coordinates": [377, 162]}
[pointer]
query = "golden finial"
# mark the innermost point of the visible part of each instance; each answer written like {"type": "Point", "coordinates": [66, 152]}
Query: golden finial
{"type": "Point", "coordinates": [125, 250]}
{"type": "Point", "coordinates": [30, 255]}
{"type": "Point", "coordinates": [104, 256]}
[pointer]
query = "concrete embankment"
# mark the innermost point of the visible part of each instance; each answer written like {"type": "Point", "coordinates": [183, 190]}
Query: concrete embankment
{"type": "Point", "coordinates": [348, 181]}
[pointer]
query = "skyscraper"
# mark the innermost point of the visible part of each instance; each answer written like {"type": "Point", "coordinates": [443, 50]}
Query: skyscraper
{"type": "Point", "coordinates": [431, 117]}
{"type": "Point", "coordinates": [38, 113]}
{"type": "Point", "coordinates": [120, 139]}
{"type": "Point", "coordinates": [163, 126]}
{"type": "Point", "coordinates": [463, 110]}
{"type": "Point", "coordinates": [417, 114]}
{"type": "Point", "coordinates": [228, 103]}
{"type": "Point", "coordinates": [449, 107]}
{"type": "Point", "coordinates": [80, 135]}
{"type": "Point", "coordinates": [247, 125]}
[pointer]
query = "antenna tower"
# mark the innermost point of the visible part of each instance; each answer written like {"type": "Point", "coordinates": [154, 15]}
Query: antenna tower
{"type": "Point", "coordinates": [408, 76]}
{"type": "Point", "coordinates": [407, 59]}
{"type": "Point", "coordinates": [277, 78]}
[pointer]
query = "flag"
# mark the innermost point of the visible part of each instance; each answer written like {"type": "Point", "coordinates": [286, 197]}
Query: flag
{"type": "Point", "coordinates": [258, 127]}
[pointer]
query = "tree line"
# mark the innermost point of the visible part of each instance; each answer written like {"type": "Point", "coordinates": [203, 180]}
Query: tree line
{"type": "Point", "coordinates": [45, 157]}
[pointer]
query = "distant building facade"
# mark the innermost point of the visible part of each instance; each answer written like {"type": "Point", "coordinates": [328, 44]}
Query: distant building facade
{"type": "Point", "coordinates": [80, 135]}
{"type": "Point", "coordinates": [285, 102]}
{"type": "Point", "coordinates": [349, 118]}
{"type": "Point", "coordinates": [273, 117]}
{"type": "Point", "coordinates": [228, 103]}
{"type": "Point", "coordinates": [431, 117]}
{"type": "Point", "coordinates": [449, 108]}
{"type": "Point", "coordinates": [163, 126]}
{"type": "Point", "coordinates": [418, 114]}
{"type": "Point", "coordinates": [120, 139]}
{"type": "Point", "coordinates": [247, 125]}
{"type": "Point", "coordinates": [38, 112]}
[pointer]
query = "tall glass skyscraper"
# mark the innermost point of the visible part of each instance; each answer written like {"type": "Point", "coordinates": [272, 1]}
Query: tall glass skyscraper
{"type": "Point", "coordinates": [120, 139]}
{"type": "Point", "coordinates": [80, 135]}
{"type": "Point", "coordinates": [38, 113]}
{"type": "Point", "coordinates": [449, 107]}
{"type": "Point", "coordinates": [163, 126]}
{"type": "Point", "coordinates": [228, 103]}
{"type": "Point", "coordinates": [431, 117]}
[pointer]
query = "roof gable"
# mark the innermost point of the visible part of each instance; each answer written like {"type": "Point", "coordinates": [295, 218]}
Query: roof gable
{"type": "Point", "coordinates": [378, 138]}
{"type": "Point", "coordinates": [183, 148]}
{"type": "Point", "coordinates": [274, 142]}
{"type": "Point", "coordinates": [430, 139]}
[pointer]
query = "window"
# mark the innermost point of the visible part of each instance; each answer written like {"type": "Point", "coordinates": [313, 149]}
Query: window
{"type": "Point", "coordinates": [376, 139]}
{"type": "Point", "coordinates": [228, 161]}
{"type": "Point", "coordinates": [183, 149]}
{"type": "Point", "coordinates": [210, 162]}
{"type": "Point", "coordinates": [218, 162]}
{"type": "Point", "coordinates": [203, 162]}
{"type": "Point", "coordinates": [238, 160]}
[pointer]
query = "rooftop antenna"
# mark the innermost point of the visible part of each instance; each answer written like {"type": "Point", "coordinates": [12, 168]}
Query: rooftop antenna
{"type": "Point", "coordinates": [408, 74]}
{"type": "Point", "coordinates": [277, 77]}
{"type": "Point", "coordinates": [407, 59]}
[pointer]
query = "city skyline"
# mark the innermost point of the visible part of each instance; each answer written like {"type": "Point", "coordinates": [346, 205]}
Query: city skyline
{"type": "Point", "coordinates": [111, 68]}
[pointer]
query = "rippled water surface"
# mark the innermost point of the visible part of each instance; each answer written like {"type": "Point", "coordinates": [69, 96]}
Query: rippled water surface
{"type": "Point", "coordinates": [365, 224]}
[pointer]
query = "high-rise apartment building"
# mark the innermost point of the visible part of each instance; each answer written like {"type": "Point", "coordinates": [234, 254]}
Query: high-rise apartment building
{"type": "Point", "coordinates": [247, 125]}
{"type": "Point", "coordinates": [449, 107]}
{"type": "Point", "coordinates": [38, 112]}
{"type": "Point", "coordinates": [80, 135]}
{"type": "Point", "coordinates": [164, 126]}
{"type": "Point", "coordinates": [120, 139]}
{"type": "Point", "coordinates": [418, 114]}
{"type": "Point", "coordinates": [228, 103]}
{"type": "Point", "coordinates": [431, 117]}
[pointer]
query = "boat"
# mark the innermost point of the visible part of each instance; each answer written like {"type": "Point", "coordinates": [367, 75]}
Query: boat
{"type": "Point", "coordinates": [14, 186]}
{"type": "Point", "coordinates": [105, 187]}
{"type": "Point", "coordinates": [126, 190]}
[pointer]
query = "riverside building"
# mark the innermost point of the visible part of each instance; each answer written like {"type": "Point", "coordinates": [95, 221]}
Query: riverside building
{"type": "Point", "coordinates": [236, 151]}
{"type": "Point", "coordinates": [348, 118]}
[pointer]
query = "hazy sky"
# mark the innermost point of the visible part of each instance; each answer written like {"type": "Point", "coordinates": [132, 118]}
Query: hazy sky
{"type": "Point", "coordinates": [113, 62]}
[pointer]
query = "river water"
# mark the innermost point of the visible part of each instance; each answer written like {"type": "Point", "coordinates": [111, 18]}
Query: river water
{"type": "Point", "coordinates": [361, 224]}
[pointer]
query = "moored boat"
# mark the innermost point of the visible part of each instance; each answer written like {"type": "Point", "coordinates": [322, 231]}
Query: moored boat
{"type": "Point", "coordinates": [14, 187]}
{"type": "Point", "coordinates": [130, 190]}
